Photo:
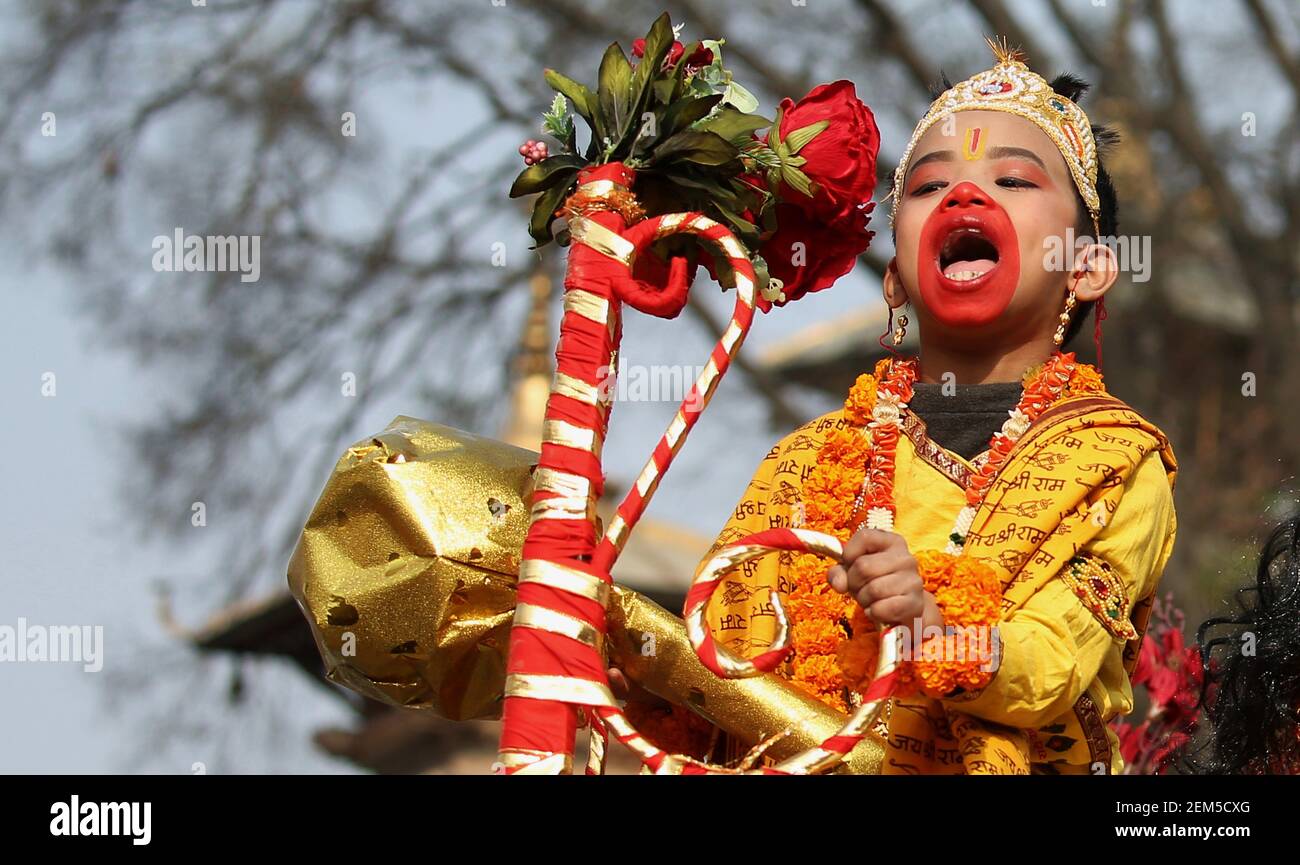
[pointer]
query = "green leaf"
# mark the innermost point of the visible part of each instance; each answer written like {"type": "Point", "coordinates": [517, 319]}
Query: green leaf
{"type": "Point", "coordinates": [698, 87]}
{"type": "Point", "coordinates": [558, 122]}
{"type": "Point", "coordinates": [539, 226]}
{"type": "Point", "coordinates": [584, 101]}
{"type": "Point", "coordinates": [685, 177]}
{"type": "Point", "coordinates": [732, 124]}
{"type": "Point", "coordinates": [701, 148]}
{"type": "Point", "coordinates": [558, 110]}
{"type": "Point", "coordinates": [740, 97]}
{"type": "Point", "coordinates": [796, 179]}
{"type": "Point", "coordinates": [796, 140]}
{"type": "Point", "coordinates": [714, 76]}
{"type": "Point", "coordinates": [722, 267]}
{"type": "Point", "coordinates": [747, 193]}
{"type": "Point", "coordinates": [762, 275]}
{"type": "Point", "coordinates": [546, 174]}
{"type": "Point", "coordinates": [663, 90]}
{"type": "Point", "coordinates": [738, 224]}
{"type": "Point", "coordinates": [614, 91]}
{"type": "Point", "coordinates": [686, 111]}
{"type": "Point", "coordinates": [658, 42]}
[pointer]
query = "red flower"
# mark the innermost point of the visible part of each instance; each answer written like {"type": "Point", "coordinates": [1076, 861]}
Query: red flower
{"type": "Point", "coordinates": [1182, 709]}
{"type": "Point", "coordinates": [1154, 671]}
{"type": "Point", "coordinates": [1172, 673]}
{"type": "Point", "coordinates": [1131, 740]}
{"type": "Point", "coordinates": [700, 58]}
{"type": "Point", "coordinates": [841, 159]}
{"type": "Point", "coordinates": [818, 238]}
{"type": "Point", "coordinates": [1172, 642]}
{"type": "Point", "coordinates": [808, 254]}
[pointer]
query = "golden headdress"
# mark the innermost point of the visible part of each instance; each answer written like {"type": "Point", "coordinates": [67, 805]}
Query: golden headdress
{"type": "Point", "coordinates": [1011, 86]}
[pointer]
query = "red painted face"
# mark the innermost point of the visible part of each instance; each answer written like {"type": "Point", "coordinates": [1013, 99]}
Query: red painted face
{"type": "Point", "coordinates": [968, 258]}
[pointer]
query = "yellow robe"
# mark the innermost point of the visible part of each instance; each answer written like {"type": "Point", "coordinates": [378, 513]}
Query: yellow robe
{"type": "Point", "coordinates": [1090, 478]}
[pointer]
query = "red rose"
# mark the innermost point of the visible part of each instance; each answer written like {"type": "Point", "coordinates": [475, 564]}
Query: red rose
{"type": "Point", "coordinates": [841, 159]}
{"type": "Point", "coordinates": [807, 254]}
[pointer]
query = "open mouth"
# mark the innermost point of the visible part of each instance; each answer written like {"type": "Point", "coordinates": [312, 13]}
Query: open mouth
{"type": "Point", "coordinates": [966, 255]}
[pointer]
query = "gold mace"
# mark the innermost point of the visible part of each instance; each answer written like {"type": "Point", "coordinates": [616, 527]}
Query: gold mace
{"type": "Point", "coordinates": [406, 572]}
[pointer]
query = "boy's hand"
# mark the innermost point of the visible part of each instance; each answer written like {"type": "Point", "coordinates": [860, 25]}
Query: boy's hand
{"type": "Point", "coordinates": [879, 571]}
{"type": "Point", "coordinates": [623, 689]}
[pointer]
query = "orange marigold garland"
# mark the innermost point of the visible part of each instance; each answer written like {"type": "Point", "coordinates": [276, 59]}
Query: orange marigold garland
{"type": "Point", "coordinates": [1086, 380]}
{"type": "Point", "coordinates": [967, 591]}
{"type": "Point", "coordinates": [819, 614]}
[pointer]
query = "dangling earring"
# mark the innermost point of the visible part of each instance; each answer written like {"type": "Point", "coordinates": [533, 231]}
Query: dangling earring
{"type": "Point", "coordinates": [1059, 336]}
{"type": "Point", "coordinates": [896, 334]}
{"type": "Point", "coordinates": [901, 330]}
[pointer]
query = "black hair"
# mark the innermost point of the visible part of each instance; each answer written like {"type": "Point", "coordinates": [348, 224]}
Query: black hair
{"type": "Point", "coordinates": [1073, 88]}
{"type": "Point", "coordinates": [1249, 717]}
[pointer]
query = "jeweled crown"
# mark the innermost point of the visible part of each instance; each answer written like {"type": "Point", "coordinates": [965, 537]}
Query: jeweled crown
{"type": "Point", "coordinates": [1011, 86]}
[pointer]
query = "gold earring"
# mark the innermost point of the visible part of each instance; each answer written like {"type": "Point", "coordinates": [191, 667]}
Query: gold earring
{"type": "Point", "coordinates": [1059, 336]}
{"type": "Point", "coordinates": [901, 329]}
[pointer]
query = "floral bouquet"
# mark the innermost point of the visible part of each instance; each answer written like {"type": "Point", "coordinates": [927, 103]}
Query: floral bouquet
{"type": "Point", "coordinates": [797, 196]}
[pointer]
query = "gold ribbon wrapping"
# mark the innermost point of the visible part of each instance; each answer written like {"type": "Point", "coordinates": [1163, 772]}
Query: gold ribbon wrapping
{"type": "Point", "coordinates": [406, 571]}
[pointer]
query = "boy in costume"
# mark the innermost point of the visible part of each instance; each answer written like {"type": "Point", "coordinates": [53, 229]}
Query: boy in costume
{"type": "Point", "coordinates": [992, 485]}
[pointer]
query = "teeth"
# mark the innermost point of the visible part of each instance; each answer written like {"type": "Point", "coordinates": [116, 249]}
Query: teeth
{"type": "Point", "coordinates": [963, 275]}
